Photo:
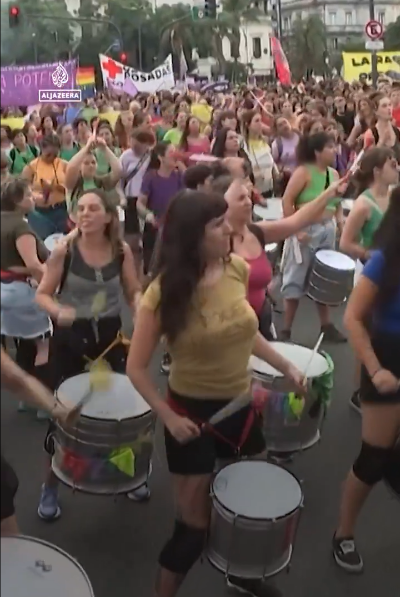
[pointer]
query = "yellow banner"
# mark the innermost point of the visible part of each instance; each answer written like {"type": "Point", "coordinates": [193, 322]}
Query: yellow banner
{"type": "Point", "coordinates": [18, 123]}
{"type": "Point", "coordinates": [359, 63]}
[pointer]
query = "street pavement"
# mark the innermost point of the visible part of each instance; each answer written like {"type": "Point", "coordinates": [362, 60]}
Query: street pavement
{"type": "Point", "coordinates": [117, 543]}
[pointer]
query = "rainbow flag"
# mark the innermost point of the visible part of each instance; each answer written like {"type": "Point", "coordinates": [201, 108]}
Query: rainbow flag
{"type": "Point", "coordinates": [85, 76]}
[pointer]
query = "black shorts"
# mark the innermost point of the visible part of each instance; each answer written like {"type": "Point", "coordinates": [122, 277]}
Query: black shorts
{"type": "Point", "coordinates": [9, 487]}
{"type": "Point", "coordinates": [199, 456]}
{"type": "Point", "coordinates": [387, 350]}
{"type": "Point", "coordinates": [67, 349]}
{"type": "Point", "coordinates": [131, 216]}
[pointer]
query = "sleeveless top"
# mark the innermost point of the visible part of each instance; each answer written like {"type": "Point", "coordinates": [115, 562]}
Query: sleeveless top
{"type": "Point", "coordinates": [396, 147]}
{"type": "Point", "coordinates": [81, 285]}
{"type": "Point", "coordinates": [372, 224]}
{"type": "Point", "coordinates": [319, 182]}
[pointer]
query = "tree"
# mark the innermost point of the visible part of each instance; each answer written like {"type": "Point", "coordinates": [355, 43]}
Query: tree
{"type": "Point", "coordinates": [392, 36]}
{"type": "Point", "coordinates": [38, 40]}
{"type": "Point", "coordinates": [306, 46]}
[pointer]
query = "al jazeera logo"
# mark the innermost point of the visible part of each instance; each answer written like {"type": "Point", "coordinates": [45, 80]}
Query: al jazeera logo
{"type": "Point", "coordinates": [59, 94]}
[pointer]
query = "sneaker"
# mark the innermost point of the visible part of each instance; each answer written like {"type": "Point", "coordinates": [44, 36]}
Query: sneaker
{"type": "Point", "coordinates": [355, 401]}
{"type": "Point", "coordinates": [255, 588]}
{"type": "Point", "coordinates": [285, 336]}
{"type": "Point", "coordinates": [346, 554]}
{"type": "Point", "coordinates": [142, 494]}
{"type": "Point", "coordinates": [331, 334]}
{"type": "Point", "coordinates": [165, 363]}
{"type": "Point", "coordinates": [49, 508]}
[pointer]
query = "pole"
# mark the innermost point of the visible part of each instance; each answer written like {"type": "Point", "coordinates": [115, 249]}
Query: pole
{"type": "Point", "coordinates": [140, 46]}
{"type": "Point", "coordinates": [374, 57]}
{"type": "Point", "coordinates": [279, 15]}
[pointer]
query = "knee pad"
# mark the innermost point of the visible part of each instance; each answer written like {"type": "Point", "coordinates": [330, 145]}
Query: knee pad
{"type": "Point", "coordinates": [371, 463]}
{"type": "Point", "coordinates": [183, 549]}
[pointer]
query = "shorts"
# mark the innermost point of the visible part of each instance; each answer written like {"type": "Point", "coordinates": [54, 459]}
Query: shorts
{"type": "Point", "coordinates": [66, 358]}
{"type": "Point", "coordinates": [9, 487]}
{"type": "Point", "coordinates": [198, 457]}
{"type": "Point", "coordinates": [295, 275]}
{"type": "Point", "coordinates": [131, 216]}
{"type": "Point", "coordinates": [387, 350]}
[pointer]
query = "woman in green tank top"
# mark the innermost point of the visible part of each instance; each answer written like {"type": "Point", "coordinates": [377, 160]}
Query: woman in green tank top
{"type": "Point", "coordinates": [377, 173]}
{"type": "Point", "coordinates": [316, 154]}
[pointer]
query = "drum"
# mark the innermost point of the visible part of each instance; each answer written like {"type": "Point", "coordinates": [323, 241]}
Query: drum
{"type": "Point", "coordinates": [273, 211]}
{"type": "Point", "coordinates": [332, 278]}
{"type": "Point", "coordinates": [33, 567]}
{"type": "Point", "coordinates": [272, 251]}
{"type": "Point", "coordinates": [291, 424]}
{"type": "Point", "coordinates": [109, 449]}
{"type": "Point", "coordinates": [392, 473]}
{"type": "Point", "coordinates": [256, 508]}
{"type": "Point", "coordinates": [52, 240]}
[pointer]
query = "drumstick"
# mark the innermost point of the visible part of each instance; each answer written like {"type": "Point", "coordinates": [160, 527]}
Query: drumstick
{"type": "Point", "coordinates": [99, 379]}
{"type": "Point", "coordinates": [231, 408]}
{"type": "Point", "coordinates": [314, 352]}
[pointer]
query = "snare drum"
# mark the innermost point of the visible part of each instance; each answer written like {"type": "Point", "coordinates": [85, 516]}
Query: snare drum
{"type": "Point", "coordinates": [332, 278]}
{"type": "Point", "coordinates": [256, 507]}
{"type": "Point", "coordinates": [52, 241]}
{"type": "Point", "coordinates": [33, 567]}
{"type": "Point", "coordinates": [291, 424]}
{"type": "Point", "coordinates": [109, 449]}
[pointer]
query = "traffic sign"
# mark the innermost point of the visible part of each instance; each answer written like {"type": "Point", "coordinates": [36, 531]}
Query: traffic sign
{"type": "Point", "coordinates": [374, 29]}
{"type": "Point", "coordinates": [374, 45]}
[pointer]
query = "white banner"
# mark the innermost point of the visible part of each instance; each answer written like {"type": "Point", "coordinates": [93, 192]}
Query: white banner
{"type": "Point", "coordinates": [114, 74]}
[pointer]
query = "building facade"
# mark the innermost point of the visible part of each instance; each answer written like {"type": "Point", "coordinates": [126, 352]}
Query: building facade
{"type": "Point", "coordinates": [344, 20]}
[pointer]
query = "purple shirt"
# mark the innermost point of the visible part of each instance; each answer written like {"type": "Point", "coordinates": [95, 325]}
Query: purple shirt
{"type": "Point", "coordinates": [284, 152]}
{"type": "Point", "coordinates": [160, 190]}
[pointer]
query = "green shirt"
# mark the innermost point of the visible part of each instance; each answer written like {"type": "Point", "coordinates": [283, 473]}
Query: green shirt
{"type": "Point", "coordinates": [68, 153]}
{"type": "Point", "coordinates": [369, 228]}
{"type": "Point", "coordinates": [20, 159]}
{"type": "Point", "coordinates": [103, 167]}
{"type": "Point", "coordinates": [317, 185]}
{"type": "Point", "coordinates": [174, 136]}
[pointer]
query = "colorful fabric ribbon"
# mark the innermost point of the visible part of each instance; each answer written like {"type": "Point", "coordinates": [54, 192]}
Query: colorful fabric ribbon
{"type": "Point", "coordinates": [124, 460]}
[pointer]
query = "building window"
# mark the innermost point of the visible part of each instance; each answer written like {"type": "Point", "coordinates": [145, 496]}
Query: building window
{"type": "Point", "coordinates": [332, 18]}
{"type": "Point", "coordinates": [256, 47]}
{"type": "Point", "coordinates": [381, 17]}
{"type": "Point", "coordinates": [335, 43]}
{"type": "Point", "coordinates": [286, 23]}
{"type": "Point", "coordinates": [349, 18]}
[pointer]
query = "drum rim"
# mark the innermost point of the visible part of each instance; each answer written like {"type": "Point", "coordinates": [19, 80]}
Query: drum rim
{"type": "Point", "coordinates": [146, 413]}
{"type": "Point", "coordinates": [253, 518]}
{"type": "Point", "coordinates": [60, 551]}
{"type": "Point", "coordinates": [347, 258]}
{"type": "Point", "coordinates": [280, 377]}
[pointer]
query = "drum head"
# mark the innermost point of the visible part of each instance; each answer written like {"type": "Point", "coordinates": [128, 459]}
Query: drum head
{"type": "Point", "coordinates": [257, 490]}
{"type": "Point", "coordinates": [336, 260]}
{"type": "Point", "coordinates": [52, 240]}
{"type": "Point", "coordinates": [118, 402]}
{"type": "Point", "coordinates": [35, 568]}
{"type": "Point", "coordinates": [296, 354]}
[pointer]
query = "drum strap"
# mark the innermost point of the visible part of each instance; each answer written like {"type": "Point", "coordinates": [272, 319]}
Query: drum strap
{"type": "Point", "coordinates": [207, 428]}
{"type": "Point", "coordinates": [7, 277]}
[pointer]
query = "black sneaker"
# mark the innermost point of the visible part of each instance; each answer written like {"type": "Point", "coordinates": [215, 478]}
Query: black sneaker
{"type": "Point", "coordinates": [355, 401]}
{"type": "Point", "coordinates": [346, 555]}
{"type": "Point", "coordinates": [255, 588]}
{"type": "Point", "coordinates": [331, 334]}
{"type": "Point", "coordinates": [285, 336]}
{"type": "Point", "coordinates": [165, 363]}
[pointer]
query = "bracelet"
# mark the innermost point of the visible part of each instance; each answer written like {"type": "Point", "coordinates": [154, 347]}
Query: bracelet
{"type": "Point", "coordinates": [375, 373]}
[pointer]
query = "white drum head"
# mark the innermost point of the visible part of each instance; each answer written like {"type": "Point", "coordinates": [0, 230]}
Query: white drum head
{"type": "Point", "coordinates": [271, 247]}
{"type": "Point", "coordinates": [257, 490]}
{"type": "Point", "coordinates": [274, 210]}
{"type": "Point", "coordinates": [296, 354]}
{"type": "Point", "coordinates": [336, 260]}
{"type": "Point", "coordinates": [52, 240]}
{"type": "Point", "coordinates": [30, 567]}
{"type": "Point", "coordinates": [118, 402]}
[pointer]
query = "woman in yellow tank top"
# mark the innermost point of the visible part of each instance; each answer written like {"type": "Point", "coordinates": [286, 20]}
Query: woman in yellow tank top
{"type": "Point", "coordinates": [316, 153]}
{"type": "Point", "coordinates": [198, 301]}
{"type": "Point", "coordinates": [47, 177]}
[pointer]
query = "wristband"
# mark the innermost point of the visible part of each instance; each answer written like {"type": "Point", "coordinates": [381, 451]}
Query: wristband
{"type": "Point", "coordinates": [375, 373]}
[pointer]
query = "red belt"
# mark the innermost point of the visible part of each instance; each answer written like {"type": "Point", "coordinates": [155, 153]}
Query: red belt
{"type": "Point", "coordinates": [207, 428]}
{"type": "Point", "coordinates": [7, 276]}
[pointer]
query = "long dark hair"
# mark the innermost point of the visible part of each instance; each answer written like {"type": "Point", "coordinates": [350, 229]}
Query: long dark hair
{"type": "Point", "coordinates": [180, 262]}
{"type": "Point", "coordinates": [310, 145]}
{"type": "Point", "coordinates": [113, 230]}
{"type": "Point", "coordinates": [13, 193]}
{"type": "Point", "coordinates": [387, 239]}
{"type": "Point", "coordinates": [375, 157]}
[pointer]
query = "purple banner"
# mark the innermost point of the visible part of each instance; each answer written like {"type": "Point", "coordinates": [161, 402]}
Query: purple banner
{"type": "Point", "coordinates": [20, 85]}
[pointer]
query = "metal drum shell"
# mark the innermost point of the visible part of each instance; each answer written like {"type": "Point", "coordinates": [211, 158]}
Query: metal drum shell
{"type": "Point", "coordinates": [92, 437]}
{"type": "Point", "coordinates": [36, 555]}
{"type": "Point", "coordinates": [280, 436]}
{"type": "Point", "coordinates": [250, 547]}
{"type": "Point", "coordinates": [328, 285]}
